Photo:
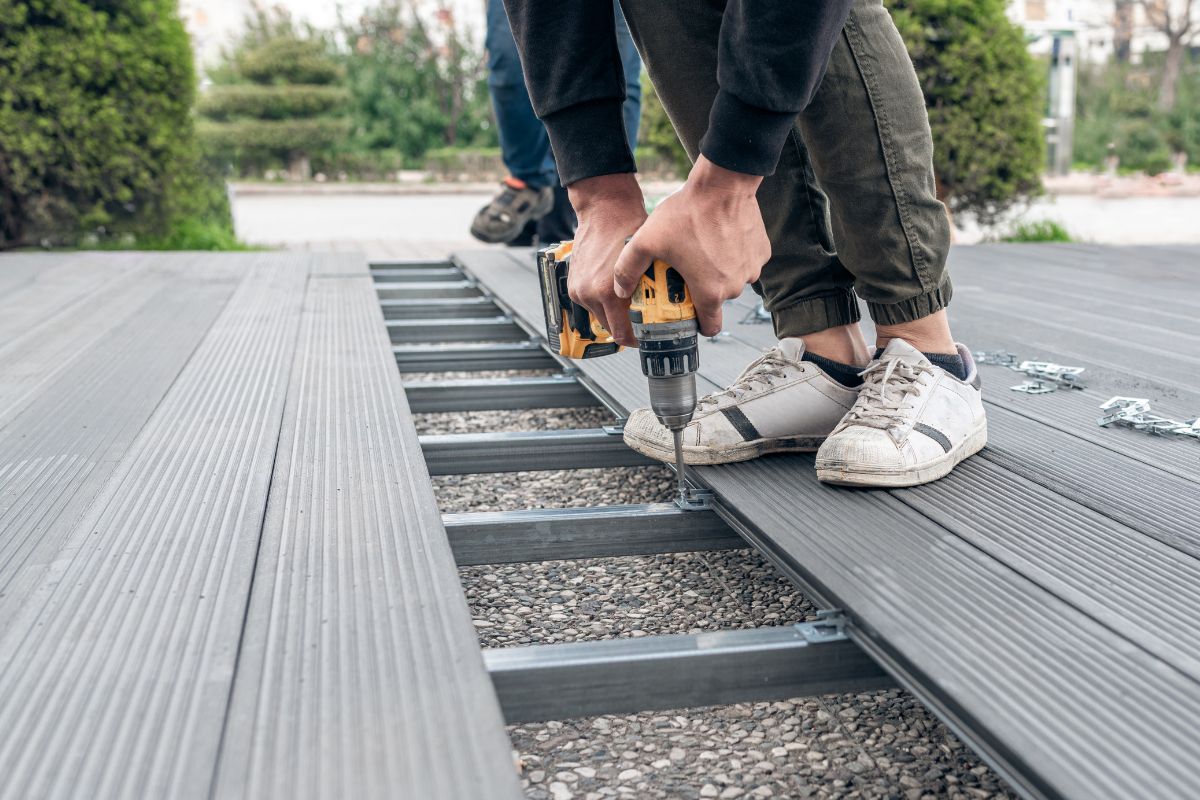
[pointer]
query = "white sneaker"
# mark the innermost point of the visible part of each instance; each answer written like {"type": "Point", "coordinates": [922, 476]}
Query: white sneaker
{"type": "Point", "coordinates": [913, 423]}
{"type": "Point", "coordinates": [778, 404]}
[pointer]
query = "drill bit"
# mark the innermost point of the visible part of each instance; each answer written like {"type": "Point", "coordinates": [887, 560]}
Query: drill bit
{"type": "Point", "coordinates": [680, 466]}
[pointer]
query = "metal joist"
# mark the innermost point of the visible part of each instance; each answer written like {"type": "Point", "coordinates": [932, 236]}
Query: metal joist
{"type": "Point", "coordinates": [416, 275]}
{"type": "Point", "coordinates": [472, 357]}
{"type": "Point", "coordinates": [620, 676]}
{"type": "Point", "coordinates": [513, 537]}
{"type": "Point", "coordinates": [479, 329]}
{"type": "Point", "coordinates": [433, 289]}
{"type": "Point", "coordinates": [416, 263]}
{"type": "Point", "coordinates": [464, 454]}
{"type": "Point", "coordinates": [498, 394]}
{"type": "Point", "coordinates": [440, 308]}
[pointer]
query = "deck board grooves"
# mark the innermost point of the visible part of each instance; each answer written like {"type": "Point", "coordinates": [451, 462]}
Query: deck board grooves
{"type": "Point", "coordinates": [356, 525]}
{"type": "Point", "coordinates": [119, 596]}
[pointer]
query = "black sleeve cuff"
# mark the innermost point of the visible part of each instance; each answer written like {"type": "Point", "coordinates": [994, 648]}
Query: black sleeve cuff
{"type": "Point", "coordinates": [745, 138]}
{"type": "Point", "coordinates": [589, 140]}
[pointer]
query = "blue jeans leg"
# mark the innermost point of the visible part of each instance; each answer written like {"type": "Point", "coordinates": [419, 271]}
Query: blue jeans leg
{"type": "Point", "coordinates": [524, 146]}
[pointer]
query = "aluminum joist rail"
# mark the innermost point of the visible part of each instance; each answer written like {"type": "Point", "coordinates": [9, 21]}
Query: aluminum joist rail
{"type": "Point", "coordinates": [991, 594]}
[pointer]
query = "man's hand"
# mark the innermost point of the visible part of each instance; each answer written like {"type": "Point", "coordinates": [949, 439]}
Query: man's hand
{"type": "Point", "coordinates": [711, 231]}
{"type": "Point", "coordinates": [610, 210]}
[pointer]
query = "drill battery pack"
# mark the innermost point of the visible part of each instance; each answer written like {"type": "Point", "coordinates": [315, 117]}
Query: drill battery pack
{"type": "Point", "coordinates": [569, 325]}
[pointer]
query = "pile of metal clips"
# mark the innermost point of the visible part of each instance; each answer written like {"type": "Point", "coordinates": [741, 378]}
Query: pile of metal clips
{"type": "Point", "coordinates": [1044, 376]}
{"type": "Point", "coordinates": [1134, 412]}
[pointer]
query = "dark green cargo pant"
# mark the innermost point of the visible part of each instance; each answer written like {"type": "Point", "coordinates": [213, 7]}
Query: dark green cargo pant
{"type": "Point", "coordinates": [857, 169]}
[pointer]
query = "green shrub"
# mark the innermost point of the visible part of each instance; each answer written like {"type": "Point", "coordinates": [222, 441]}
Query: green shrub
{"type": "Point", "coordinates": [95, 124]}
{"type": "Point", "coordinates": [984, 93]}
{"type": "Point", "coordinates": [480, 163]}
{"type": "Point", "coordinates": [656, 136]}
{"type": "Point", "coordinates": [414, 90]}
{"type": "Point", "coordinates": [221, 103]}
{"type": "Point", "coordinates": [1037, 231]}
{"type": "Point", "coordinates": [1117, 109]}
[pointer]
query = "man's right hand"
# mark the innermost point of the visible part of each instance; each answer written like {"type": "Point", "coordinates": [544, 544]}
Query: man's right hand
{"type": "Point", "coordinates": [610, 210]}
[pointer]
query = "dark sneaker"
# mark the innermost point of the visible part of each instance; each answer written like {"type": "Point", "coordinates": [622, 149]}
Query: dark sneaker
{"type": "Point", "coordinates": [503, 219]}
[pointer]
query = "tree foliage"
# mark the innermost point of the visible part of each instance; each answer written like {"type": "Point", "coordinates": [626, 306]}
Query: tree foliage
{"type": "Point", "coordinates": [276, 97]}
{"type": "Point", "coordinates": [1118, 112]}
{"type": "Point", "coordinates": [984, 94]}
{"type": "Point", "coordinates": [415, 87]}
{"type": "Point", "coordinates": [95, 126]}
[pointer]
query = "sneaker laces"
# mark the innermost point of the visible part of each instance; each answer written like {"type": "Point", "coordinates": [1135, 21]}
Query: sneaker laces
{"type": "Point", "coordinates": [886, 387]}
{"type": "Point", "coordinates": [769, 366]}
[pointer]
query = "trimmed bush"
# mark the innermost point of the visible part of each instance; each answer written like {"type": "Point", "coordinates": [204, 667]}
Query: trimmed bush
{"type": "Point", "coordinates": [283, 135]}
{"type": "Point", "coordinates": [221, 103]}
{"type": "Point", "coordinates": [289, 60]}
{"type": "Point", "coordinates": [277, 103]}
{"type": "Point", "coordinates": [95, 124]}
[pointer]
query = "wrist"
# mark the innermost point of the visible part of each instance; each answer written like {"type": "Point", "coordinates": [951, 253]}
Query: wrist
{"type": "Point", "coordinates": [616, 191]}
{"type": "Point", "coordinates": [706, 175]}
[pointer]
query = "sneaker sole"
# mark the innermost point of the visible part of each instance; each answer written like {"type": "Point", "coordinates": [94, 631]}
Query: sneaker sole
{"type": "Point", "coordinates": [537, 212]}
{"type": "Point", "coordinates": [914, 476]}
{"type": "Point", "coordinates": [702, 456]}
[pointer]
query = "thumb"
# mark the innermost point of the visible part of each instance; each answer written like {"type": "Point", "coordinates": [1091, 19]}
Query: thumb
{"type": "Point", "coordinates": [708, 316]}
{"type": "Point", "coordinates": [630, 266]}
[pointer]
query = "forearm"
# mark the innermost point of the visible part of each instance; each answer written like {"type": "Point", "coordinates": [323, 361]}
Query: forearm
{"type": "Point", "coordinates": [771, 59]}
{"type": "Point", "coordinates": [573, 72]}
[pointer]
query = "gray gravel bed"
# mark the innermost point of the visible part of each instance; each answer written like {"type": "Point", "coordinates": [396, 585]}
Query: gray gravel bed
{"type": "Point", "coordinates": [874, 745]}
{"type": "Point", "coordinates": [410, 377]}
{"type": "Point", "coordinates": [538, 419]}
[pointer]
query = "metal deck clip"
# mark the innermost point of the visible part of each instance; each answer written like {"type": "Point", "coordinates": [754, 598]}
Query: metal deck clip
{"type": "Point", "coordinates": [690, 499]}
{"type": "Point", "coordinates": [829, 626]}
{"type": "Point", "coordinates": [757, 316]}
{"type": "Point", "coordinates": [616, 429]}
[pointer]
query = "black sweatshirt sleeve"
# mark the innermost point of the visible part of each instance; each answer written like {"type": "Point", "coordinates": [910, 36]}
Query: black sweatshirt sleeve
{"type": "Point", "coordinates": [770, 62]}
{"type": "Point", "coordinates": [772, 56]}
{"type": "Point", "coordinates": [576, 84]}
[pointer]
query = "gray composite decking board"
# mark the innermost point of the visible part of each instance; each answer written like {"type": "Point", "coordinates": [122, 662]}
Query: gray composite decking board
{"type": "Point", "coordinates": [39, 347]}
{"type": "Point", "coordinates": [115, 674]}
{"type": "Point", "coordinates": [1064, 658]}
{"type": "Point", "coordinates": [66, 284]}
{"type": "Point", "coordinates": [1140, 496]}
{"type": "Point", "coordinates": [1044, 689]}
{"type": "Point", "coordinates": [1048, 271]}
{"type": "Point", "coordinates": [360, 673]}
{"type": "Point", "coordinates": [1084, 557]}
{"type": "Point", "coordinates": [56, 454]}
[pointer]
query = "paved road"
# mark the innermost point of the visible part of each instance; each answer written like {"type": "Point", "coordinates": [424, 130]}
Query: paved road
{"type": "Point", "coordinates": [442, 220]}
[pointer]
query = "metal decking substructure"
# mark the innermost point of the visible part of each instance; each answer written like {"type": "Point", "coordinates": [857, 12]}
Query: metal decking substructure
{"type": "Point", "coordinates": [223, 572]}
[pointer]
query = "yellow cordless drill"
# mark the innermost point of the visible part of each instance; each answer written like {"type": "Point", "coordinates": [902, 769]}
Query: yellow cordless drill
{"type": "Point", "coordinates": [664, 322]}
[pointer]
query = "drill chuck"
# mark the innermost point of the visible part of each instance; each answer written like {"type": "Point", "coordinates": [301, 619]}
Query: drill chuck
{"type": "Point", "coordinates": [673, 399]}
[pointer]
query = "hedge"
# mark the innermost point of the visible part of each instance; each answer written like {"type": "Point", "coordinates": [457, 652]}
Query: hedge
{"type": "Point", "coordinates": [95, 123]}
{"type": "Point", "coordinates": [274, 135]}
{"type": "Point", "coordinates": [270, 102]}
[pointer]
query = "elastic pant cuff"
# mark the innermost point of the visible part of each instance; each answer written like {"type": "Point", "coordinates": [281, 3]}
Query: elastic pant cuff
{"type": "Point", "coordinates": [913, 308]}
{"type": "Point", "coordinates": [813, 314]}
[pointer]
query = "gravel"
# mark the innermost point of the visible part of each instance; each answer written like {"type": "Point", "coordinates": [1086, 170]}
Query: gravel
{"type": "Point", "coordinates": [873, 745]}
{"type": "Point", "coordinates": [498, 421]}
